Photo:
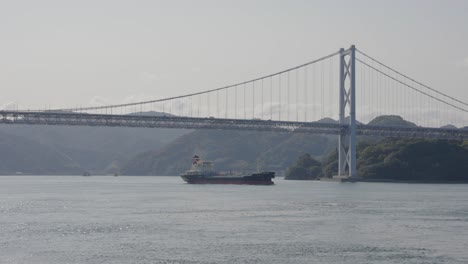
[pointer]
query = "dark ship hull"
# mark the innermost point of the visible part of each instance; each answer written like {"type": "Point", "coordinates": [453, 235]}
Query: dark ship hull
{"type": "Point", "coordinates": [263, 178]}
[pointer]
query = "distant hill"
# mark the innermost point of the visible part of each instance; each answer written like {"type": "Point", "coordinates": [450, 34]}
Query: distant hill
{"type": "Point", "coordinates": [449, 127]}
{"type": "Point", "coordinates": [241, 150]}
{"type": "Point", "coordinates": [230, 150]}
{"type": "Point", "coordinates": [19, 155]}
{"type": "Point", "coordinates": [328, 120]}
{"type": "Point", "coordinates": [151, 113]}
{"type": "Point", "coordinates": [143, 151]}
{"type": "Point", "coordinates": [391, 121]}
{"type": "Point", "coordinates": [99, 150]}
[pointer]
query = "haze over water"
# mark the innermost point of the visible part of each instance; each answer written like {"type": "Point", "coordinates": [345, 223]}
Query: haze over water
{"type": "Point", "coordinates": [51, 219]}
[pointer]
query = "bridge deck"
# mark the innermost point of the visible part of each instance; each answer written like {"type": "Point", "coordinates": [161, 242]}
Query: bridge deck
{"type": "Point", "coordinates": [108, 120]}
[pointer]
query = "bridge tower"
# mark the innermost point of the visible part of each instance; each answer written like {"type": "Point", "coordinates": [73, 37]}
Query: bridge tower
{"type": "Point", "coordinates": [347, 101]}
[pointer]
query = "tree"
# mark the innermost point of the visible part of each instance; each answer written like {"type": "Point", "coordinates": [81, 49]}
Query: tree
{"type": "Point", "coordinates": [305, 168]}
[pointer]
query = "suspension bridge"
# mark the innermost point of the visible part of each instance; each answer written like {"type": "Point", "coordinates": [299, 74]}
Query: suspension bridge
{"type": "Point", "coordinates": [340, 94]}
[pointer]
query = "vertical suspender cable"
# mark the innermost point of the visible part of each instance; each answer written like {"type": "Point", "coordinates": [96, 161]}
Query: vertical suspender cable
{"type": "Point", "coordinates": [379, 95]}
{"type": "Point", "coordinates": [199, 105]}
{"type": "Point", "coordinates": [235, 102]}
{"type": "Point", "coordinates": [330, 88]}
{"type": "Point", "coordinates": [208, 114]}
{"type": "Point", "coordinates": [314, 94]}
{"type": "Point", "coordinates": [305, 94]}
{"type": "Point", "coordinates": [244, 105]}
{"type": "Point", "coordinates": [367, 94]}
{"type": "Point", "coordinates": [322, 77]}
{"type": "Point", "coordinates": [279, 97]}
{"type": "Point", "coordinates": [253, 99]}
{"type": "Point", "coordinates": [288, 103]}
{"type": "Point", "coordinates": [297, 95]}
{"type": "Point", "coordinates": [271, 98]}
{"type": "Point", "coordinates": [262, 99]}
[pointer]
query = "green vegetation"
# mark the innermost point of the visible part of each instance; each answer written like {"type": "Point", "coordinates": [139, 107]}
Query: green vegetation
{"type": "Point", "coordinates": [413, 160]}
{"type": "Point", "coordinates": [306, 168]}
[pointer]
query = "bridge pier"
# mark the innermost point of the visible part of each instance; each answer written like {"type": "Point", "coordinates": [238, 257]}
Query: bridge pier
{"type": "Point", "coordinates": [347, 101]}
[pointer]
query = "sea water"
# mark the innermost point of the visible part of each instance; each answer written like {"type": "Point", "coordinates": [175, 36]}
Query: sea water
{"type": "Point", "coordinates": [72, 219]}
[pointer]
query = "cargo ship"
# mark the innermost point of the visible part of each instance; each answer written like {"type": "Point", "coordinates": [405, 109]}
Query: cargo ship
{"type": "Point", "coordinates": [202, 172]}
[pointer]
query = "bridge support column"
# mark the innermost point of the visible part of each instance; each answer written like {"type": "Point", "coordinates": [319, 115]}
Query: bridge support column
{"type": "Point", "coordinates": [347, 101]}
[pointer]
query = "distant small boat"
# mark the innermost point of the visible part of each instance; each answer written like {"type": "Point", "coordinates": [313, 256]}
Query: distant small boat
{"type": "Point", "coordinates": [202, 173]}
{"type": "Point", "coordinates": [86, 173]}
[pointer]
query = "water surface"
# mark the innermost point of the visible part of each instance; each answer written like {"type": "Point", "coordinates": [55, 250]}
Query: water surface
{"type": "Point", "coordinates": [53, 219]}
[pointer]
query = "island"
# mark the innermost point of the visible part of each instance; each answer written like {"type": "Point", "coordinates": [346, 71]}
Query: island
{"type": "Point", "coordinates": [399, 160]}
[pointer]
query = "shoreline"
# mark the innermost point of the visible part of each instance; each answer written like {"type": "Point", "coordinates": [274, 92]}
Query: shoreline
{"type": "Point", "coordinates": [389, 181]}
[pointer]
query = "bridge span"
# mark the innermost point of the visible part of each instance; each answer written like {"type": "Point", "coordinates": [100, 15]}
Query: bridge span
{"type": "Point", "coordinates": [135, 120]}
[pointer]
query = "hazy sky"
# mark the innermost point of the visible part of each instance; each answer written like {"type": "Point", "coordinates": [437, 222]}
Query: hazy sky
{"type": "Point", "coordinates": [80, 52]}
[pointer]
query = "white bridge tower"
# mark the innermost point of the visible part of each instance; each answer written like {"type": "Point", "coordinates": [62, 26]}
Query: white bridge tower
{"type": "Point", "coordinates": [347, 102]}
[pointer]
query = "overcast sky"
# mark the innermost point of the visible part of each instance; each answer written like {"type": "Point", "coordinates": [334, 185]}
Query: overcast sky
{"type": "Point", "coordinates": [69, 53]}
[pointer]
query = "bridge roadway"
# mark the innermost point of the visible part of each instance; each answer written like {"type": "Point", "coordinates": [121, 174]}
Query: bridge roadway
{"type": "Point", "coordinates": [134, 120]}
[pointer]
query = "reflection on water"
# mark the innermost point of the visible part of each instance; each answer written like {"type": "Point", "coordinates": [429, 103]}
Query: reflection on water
{"type": "Point", "coordinates": [163, 220]}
